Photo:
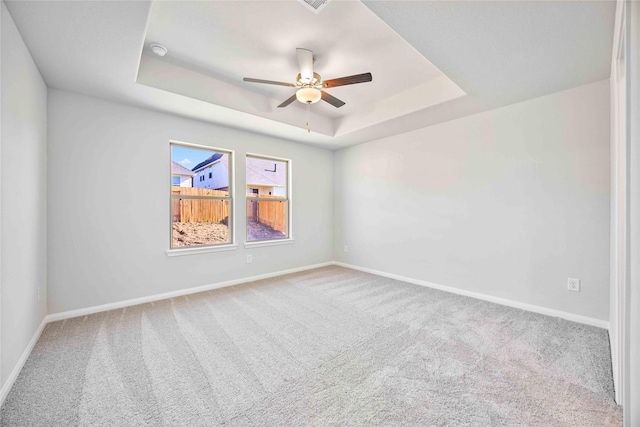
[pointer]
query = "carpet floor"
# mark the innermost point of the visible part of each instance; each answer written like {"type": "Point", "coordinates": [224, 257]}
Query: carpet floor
{"type": "Point", "coordinates": [324, 347]}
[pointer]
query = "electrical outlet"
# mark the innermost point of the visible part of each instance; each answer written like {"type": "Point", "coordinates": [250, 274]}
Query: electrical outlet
{"type": "Point", "coordinates": [346, 248]}
{"type": "Point", "coordinates": [573, 285]}
{"type": "Point", "coordinates": [249, 259]}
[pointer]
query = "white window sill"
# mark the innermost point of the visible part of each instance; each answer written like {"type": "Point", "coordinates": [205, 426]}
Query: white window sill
{"type": "Point", "coordinates": [260, 244]}
{"type": "Point", "coordinates": [203, 250]}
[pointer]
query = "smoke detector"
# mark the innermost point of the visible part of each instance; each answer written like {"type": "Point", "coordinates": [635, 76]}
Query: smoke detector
{"type": "Point", "coordinates": [158, 49]}
{"type": "Point", "coordinates": [315, 5]}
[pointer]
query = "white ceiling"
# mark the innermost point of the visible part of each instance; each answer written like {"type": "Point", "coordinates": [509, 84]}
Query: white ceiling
{"type": "Point", "coordinates": [497, 52]}
{"type": "Point", "coordinates": [214, 44]}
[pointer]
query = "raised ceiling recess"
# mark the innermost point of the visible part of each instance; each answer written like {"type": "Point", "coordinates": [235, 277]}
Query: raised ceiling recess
{"type": "Point", "coordinates": [212, 47]}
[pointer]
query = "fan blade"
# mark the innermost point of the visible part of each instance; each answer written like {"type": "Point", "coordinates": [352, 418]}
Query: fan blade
{"type": "Point", "coordinates": [331, 100]}
{"type": "Point", "coordinates": [288, 101]}
{"type": "Point", "coordinates": [305, 61]}
{"type": "Point", "coordinates": [350, 80]}
{"type": "Point", "coordinates": [269, 82]}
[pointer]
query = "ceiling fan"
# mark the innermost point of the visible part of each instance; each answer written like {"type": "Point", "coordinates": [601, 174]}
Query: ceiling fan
{"type": "Point", "coordinates": [310, 84]}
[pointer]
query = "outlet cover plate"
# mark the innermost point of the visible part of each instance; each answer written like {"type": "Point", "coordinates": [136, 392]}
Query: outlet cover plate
{"type": "Point", "coordinates": [573, 285]}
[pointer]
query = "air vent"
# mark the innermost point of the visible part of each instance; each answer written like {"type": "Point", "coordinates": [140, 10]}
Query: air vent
{"type": "Point", "coordinates": [315, 5]}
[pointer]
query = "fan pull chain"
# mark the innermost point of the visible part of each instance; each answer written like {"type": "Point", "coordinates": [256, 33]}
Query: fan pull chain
{"type": "Point", "coordinates": [308, 116]}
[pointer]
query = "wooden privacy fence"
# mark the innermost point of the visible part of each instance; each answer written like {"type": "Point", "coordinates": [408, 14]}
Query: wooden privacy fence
{"type": "Point", "coordinates": [273, 214]}
{"type": "Point", "coordinates": [198, 210]}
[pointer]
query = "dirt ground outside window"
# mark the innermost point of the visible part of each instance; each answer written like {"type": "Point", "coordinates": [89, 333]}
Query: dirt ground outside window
{"type": "Point", "coordinates": [258, 231]}
{"type": "Point", "coordinates": [211, 233]}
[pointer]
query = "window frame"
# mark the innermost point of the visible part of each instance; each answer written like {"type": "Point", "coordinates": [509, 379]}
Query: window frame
{"type": "Point", "coordinates": [231, 244]}
{"type": "Point", "coordinates": [288, 199]}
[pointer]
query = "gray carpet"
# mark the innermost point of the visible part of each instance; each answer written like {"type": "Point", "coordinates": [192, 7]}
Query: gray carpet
{"type": "Point", "coordinates": [325, 347]}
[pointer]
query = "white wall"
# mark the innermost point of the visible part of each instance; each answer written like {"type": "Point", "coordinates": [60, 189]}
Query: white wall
{"type": "Point", "coordinates": [23, 215]}
{"type": "Point", "coordinates": [107, 241]}
{"type": "Point", "coordinates": [185, 181]}
{"type": "Point", "coordinates": [219, 175]}
{"type": "Point", "coordinates": [508, 203]}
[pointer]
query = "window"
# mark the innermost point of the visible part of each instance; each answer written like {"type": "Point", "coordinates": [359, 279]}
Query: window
{"type": "Point", "coordinates": [210, 175]}
{"type": "Point", "coordinates": [175, 180]}
{"type": "Point", "coordinates": [267, 198]}
{"type": "Point", "coordinates": [201, 216]}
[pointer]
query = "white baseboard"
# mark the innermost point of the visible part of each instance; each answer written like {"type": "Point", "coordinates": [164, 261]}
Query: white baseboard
{"type": "Point", "coordinates": [502, 301]}
{"type": "Point", "coordinates": [6, 388]}
{"type": "Point", "coordinates": [127, 303]}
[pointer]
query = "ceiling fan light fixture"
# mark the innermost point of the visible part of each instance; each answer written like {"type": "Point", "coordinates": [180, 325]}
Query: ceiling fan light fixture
{"type": "Point", "coordinates": [308, 95]}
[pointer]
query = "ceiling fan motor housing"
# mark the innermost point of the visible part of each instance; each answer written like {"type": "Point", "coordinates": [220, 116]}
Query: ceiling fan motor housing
{"type": "Point", "coordinates": [316, 81]}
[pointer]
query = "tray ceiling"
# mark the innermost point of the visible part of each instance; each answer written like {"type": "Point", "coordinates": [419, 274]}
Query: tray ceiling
{"type": "Point", "coordinates": [213, 45]}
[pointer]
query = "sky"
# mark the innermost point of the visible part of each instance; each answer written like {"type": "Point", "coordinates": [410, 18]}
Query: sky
{"type": "Point", "coordinates": [189, 157]}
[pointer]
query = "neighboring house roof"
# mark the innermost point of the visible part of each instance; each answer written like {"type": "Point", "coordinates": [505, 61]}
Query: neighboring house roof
{"type": "Point", "coordinates": [259, 172]}
{"type": "Point", "coordinates": [178, 169]}
{"type": "Point", "coordinates": [213, 158]}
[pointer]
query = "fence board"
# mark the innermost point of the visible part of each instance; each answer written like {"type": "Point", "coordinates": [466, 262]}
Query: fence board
{"type": "Point", "coordinates": [199, 210]}
{"type": "Point", "coordinates": [272, 213]}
